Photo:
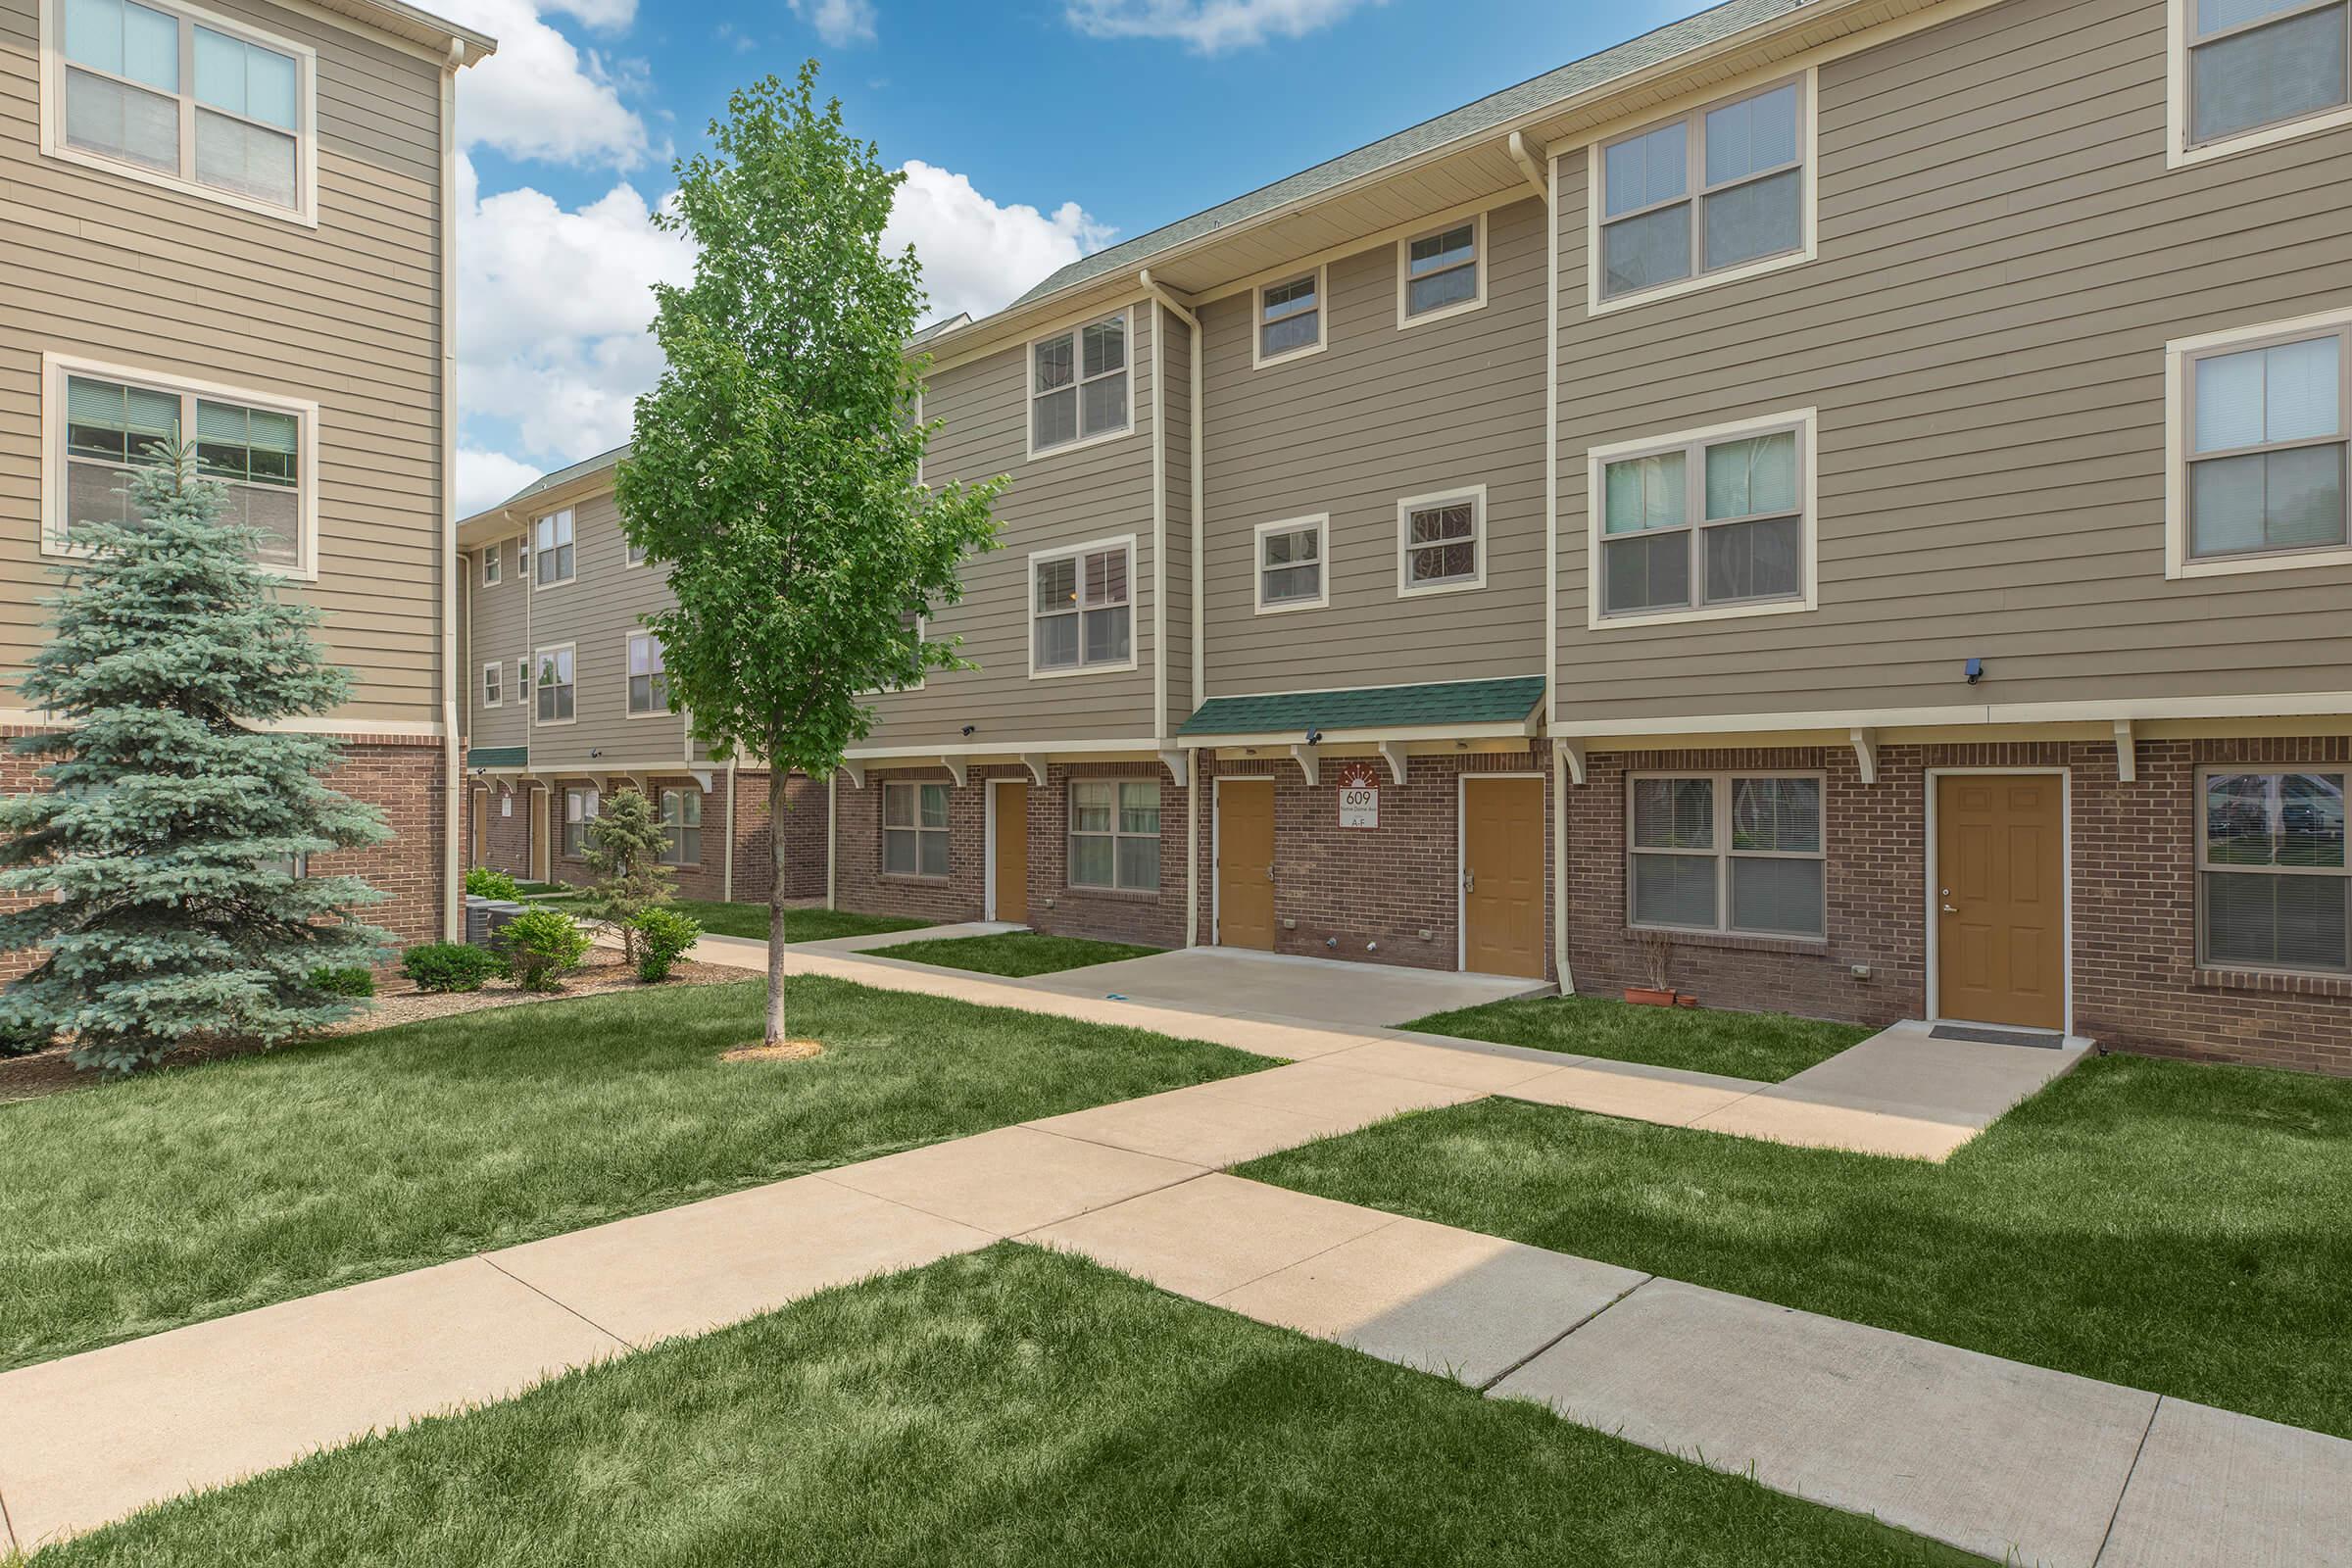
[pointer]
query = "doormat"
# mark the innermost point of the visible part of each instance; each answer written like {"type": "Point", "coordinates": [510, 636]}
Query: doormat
{"type": "Point", "coordinates": [1996, 1037]}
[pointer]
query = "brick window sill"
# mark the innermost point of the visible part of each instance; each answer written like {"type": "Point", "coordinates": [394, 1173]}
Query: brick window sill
{"type": "Point", "coordinates": [912, 880]}
{"type": "Point", "coordinates": [1115, 895]}
{"type": "Point", "coordinates": [1723, 941]}
{"type": "Point", "coordinates": [2274, 982]}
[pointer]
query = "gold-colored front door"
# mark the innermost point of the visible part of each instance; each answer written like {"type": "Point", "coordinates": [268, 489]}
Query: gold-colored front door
{"type": "Point", "coordinates": [2000, 900]}
{"type": "Point", "coordinates": [1503, 876]}
{"type": "Point", "coordinates": [1245, 864]}
{"type": "Point", "coordinates": [1012, 852]}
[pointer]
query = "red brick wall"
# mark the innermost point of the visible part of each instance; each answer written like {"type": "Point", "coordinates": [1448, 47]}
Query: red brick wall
{"type": "Point", "coordinates": [508, 844]}
{"type": "Point", "coordinates": [803, 837]}
{"type": "Point", "coordinates": [2136, 982]}
{"type": "Point", "coordinates": [860, 884]}
{"type": "Point", "coordinates": [506, 832]}
{"type": "Point", "coordinates": [1371, 891]}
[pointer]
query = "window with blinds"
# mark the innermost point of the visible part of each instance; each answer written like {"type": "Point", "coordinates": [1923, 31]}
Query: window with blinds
{"type": "Point", "coordinates": [1714, 191]}
{"type": "Point", "coordinates": [2255, 64]}
{"type": "Point", "coordinates": [113, 429]}
{"type": "Point", "coordinates": [1742, 855]}
{"type": "Point", "coordinates": [1081, 612]}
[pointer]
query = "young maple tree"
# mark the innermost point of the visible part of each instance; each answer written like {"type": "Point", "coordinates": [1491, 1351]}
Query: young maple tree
{"type": "Point", "coordinates": [775, 470]}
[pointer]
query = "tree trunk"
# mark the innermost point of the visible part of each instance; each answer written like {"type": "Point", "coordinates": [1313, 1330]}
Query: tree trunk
{"type": "Point", "coordinates": [777, 805]}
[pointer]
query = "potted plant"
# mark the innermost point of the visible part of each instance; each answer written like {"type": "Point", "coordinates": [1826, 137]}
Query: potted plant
{"type": "Point", "coordinates": [1656, 948]}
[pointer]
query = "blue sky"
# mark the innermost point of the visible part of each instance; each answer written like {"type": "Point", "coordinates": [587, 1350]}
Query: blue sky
{"type": "Point", "coordinates": [1033, 131]}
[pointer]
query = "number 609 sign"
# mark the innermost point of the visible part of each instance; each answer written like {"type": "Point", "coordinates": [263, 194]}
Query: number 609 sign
{"type": "Point", "coordinates": [1359, 806]}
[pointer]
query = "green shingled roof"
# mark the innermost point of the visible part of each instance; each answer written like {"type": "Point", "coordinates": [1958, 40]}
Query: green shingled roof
{"type": "Point", "coordinates": [497, 756]}
{"type": "Point", "coordinates": [1432, 707]}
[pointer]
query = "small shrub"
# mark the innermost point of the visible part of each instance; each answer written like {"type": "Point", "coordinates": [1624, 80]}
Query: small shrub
{"type": "Point", "coordinates": [23, 1038]}
{"type": "Point", "coordinates": [489, 882]}
{"type": "Point", "coordinates": [354, 981]}
{"type": "Point", "coordinates": [450, 966]}
{"type": "Point", "coordinates": [541, 946]}
{"type": "Point", "coordinates": [662, 937]}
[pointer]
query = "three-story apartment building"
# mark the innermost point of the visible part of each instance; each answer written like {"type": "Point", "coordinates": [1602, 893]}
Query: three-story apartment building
{"type": "Point", "coordinates": [1842, 498]}
{"type": "Point", "coordinates": [231, 225]}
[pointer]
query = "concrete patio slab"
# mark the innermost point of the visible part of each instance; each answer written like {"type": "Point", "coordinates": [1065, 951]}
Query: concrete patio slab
{"type": "Point", "coordinates": [1013, 1179]}
{"type": "Point", "coordinates": [1277, 985]}
{"type": "Point", "coordinates": [2217, 1490]}
{"type": "Point", "coordinates": [1437, 1299]}
{"type": "Point", "coordinates": [138, 1423]}
{"type": "Point", "coordinates": [1341, 1096]}
{"type": "Point", "coordinates": [1992, 1456]}
{"type": "Point", "coordinates": [1210, 1236]}
{"type": "Point", "coordinates": [1634, 1090]}
{"type": "Point", "coordinates": [1195, 1125]}
{"type": "Point", "coordinates": [704, 1265]}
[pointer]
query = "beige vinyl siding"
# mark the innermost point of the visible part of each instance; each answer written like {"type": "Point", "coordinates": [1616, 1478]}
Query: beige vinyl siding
{"type": "Point", "coordinates": [595, 612]}
{"type": "Point", "coordinates": [2003, 256]}
{"type": "Point", "coordinates": [1380, 415]}
{"type": "Point", "coordinates": [497, 631]}
{"type": "Point", "coordinates": [105, 268]}
{"type": "Point", "coordinates": [1097, 492]}
{"type": "Point", "coordinates": [1177, 367]}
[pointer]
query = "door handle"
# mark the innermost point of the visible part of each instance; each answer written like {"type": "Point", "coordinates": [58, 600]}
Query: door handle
{"type": "Point", "coordinates": [1951, 908]}
{"type": "Point", "coordinates": [1269, 873]}
{"type": "Point", "coordinates": [1469, 881]}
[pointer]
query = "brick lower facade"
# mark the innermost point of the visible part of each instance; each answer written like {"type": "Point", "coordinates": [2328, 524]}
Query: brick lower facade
{"type": "Point", "coordinates": [502, 820]}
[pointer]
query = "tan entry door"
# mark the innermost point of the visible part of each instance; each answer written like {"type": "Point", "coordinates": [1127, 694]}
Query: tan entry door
{"type": "Point", "coordinates": [1503, 876]}
{"type": "Point", "coordinates": [2000, 898]}
{"type": "Point", "coordinates": [1245, 864]}
{"type": "Point", "coordinates": [1012, 852]}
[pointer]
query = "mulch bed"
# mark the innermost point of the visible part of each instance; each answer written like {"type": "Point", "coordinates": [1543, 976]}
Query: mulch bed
{"type": "Point", "coordinates": [397, 1000]}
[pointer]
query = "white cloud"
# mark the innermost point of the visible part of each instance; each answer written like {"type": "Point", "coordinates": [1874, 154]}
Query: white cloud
{"type": "Point", "coordinates": [840, 23]}
{"type": "Point", "coordinates": [485, 478]}
{"type": "Point", "coordinates": [976, 255]}
{"type": "Point", "coordinates": [1209, 27]}
{"type": "Point", "coordinates": [539, 96]}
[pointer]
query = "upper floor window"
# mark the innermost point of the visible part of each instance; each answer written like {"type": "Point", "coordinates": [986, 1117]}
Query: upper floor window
{"type": "Point", "coordinates": [2247, 72]}
{"type": "Point", "coordinates": [552, 547]}
{"type": "Point", "coordinates": [1291, 564]}
{"type": "Point", "coordinates": [2264, 423]}
{"type": "Point", "coordinates": [2273, 884]}
{"type": "Point", "coordinates": [1441, 273]}
{"type": "Point", "coordinates": [493, 564]}
{"type": "Point", "coordinates": [1706, 522]}
{"type": "Point", "coordinates": [554, 685]}
{"type": "Point", "coordinates": [188, 99]}
{"type": "Point", "coordinates": [1081, 612]}
{"type": "Point", "coordinates": [1717, 193]}
{"type": "Point", "coordinates": [649, 679]}
{"type": "Point", "coordinates": [1289, 318]}
{"type": "Point", "coordinates": [114, 425]}
{"type": "Point", "coordinates": [634, 555]}
{"type": "Point", "coordinates": [1078, 385]}
{"type": "Point", "coordinates": [1440, 541]}
{"type": "Point", "coordinates": [492, 684]}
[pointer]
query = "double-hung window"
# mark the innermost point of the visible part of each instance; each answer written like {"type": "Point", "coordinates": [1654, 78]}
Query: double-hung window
{"type": "Point", "coordinates": [2251, 71]}
{"type": "Point", "coordinates": [682, 819]}
{"type": "Point", "coordinates": [1443, 273]}
{"type": "Point", "coordinates": [207, 105]}
{"type": "Point", "coordinates": [649, 679]}
{"type": "Point", "coordinates": [1078, 385]}
{"type": "Point", "coordinates": [1289, 318]}
{"type": "Point", "coordinates": [1290, 569]}
{"type": "Point", "coordinates": [553, 549]}
{"type": "Point", "coordinates": [1080, 609]}
{"type": "Point", "coordinates": [914, 830]}
{"type": "Point", "coordinates": [1717, 191]}
{"type": "Point", "coordinates": [1737, 854]}
{"type": "Point", "coordinates": [554, 684]}
{"type": "Point", "coordinates": [1708, 522]}
{"type": "Point", "coordinates": [581, 807]}
{"type": "Point", "coordinates": [258, 451]}
{"type": "Point", "coordinates": [493, 564]}
{"type": "Point", "coordinates": [1114, 834]}
{"type": "Point", "coordinates": [2266, 442]}
{"type": "Point", "coordinates": [2272, 881]}
{"type": "Point", "coordinates": [493, 684]}
{"type": "Point", "coordinates": [1440, 541]}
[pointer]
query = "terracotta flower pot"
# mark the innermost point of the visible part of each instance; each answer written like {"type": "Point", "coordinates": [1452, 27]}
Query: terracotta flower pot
{"type": "Point", "coordinates": [1684, 999]}
{"type": "Point", "coordinates": [1644, 996]}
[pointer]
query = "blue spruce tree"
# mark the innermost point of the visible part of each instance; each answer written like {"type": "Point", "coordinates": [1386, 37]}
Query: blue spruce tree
{"type": "Point", "coordinates": [169, 849]}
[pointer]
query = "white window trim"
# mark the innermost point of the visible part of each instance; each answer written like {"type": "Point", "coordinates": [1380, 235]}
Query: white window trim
{"type": "Point", "coordinates": [1134, 597]}
{"type": "Point", "coordinates": [1259, 360]}
{"type": "Point", "coordinates": [1115, 835]}
{"type": "Point", "coordinates": [592, 808]}
{"type": "Point", "coordinates": [630, 559]}
{"type": "Point", "coordinates": [530, 549]}
{"type": "Point", "coordinates": [681, 789]}
{"type": "Point", "coordinates": [1597, 460]}
{"type": "Point", "coordinates": [629, 710]}
{"type": "Point", "coordinates": [531, 685]}
{"type": "Point", "coordinates": [494, 669]}
{"type": "Point", "coordinates": [1476, 494]}
{"type": "Point", "coordinates": [306, 101]}
{"type": "Point", "coordinates": [1723, 855]}
{"type": "Point", "coordinates": [1076, 332]}
{"type": "Point", "coordinates": [493, 564]}
{"type": "Point", "coordinates": [1808, 132]}
{"type": "Point", "coordinates": [1482, 260]}
{"type": "Point", "coordinates": [2178, 152]}
{"type": "Point", "coordinates": [57, 368]}
{"type": "Point", "coordinates": [2179, 564]}
{"type": "Point", "coordinates": [883, 830]}
{"type": "Point", "coordinates": [2200, 866]}
{"type": "Point", "coordinates": [1320, 521]}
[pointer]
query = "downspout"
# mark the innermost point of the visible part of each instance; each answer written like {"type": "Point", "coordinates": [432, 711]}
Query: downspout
{"type": "Point", "coordinates": [452, 908]}
{"type": "Point", "coordinates": [1560, 782]}
{"type": "Point", "coordinates": [726, 873]}
{"type": "Point", "coordinates": [1159, 510]}
{"type": "Point", "coordinates": [832, 830]}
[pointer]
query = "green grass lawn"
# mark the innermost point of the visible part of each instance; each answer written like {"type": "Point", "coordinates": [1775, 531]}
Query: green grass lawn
{"type": "Point", "coordinates": [1016, 953]}
{"type": "Point", "coordinates": [2174, 1227]}
{"type": "Point", "coordinates": [800, 925]}
{"type": "Point", "coordinates": [1764, 1045]}
{"type": "Point", "coordinates": [1011, 1407]}
{"type": "Point", "coordinates": [139, 1205]}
